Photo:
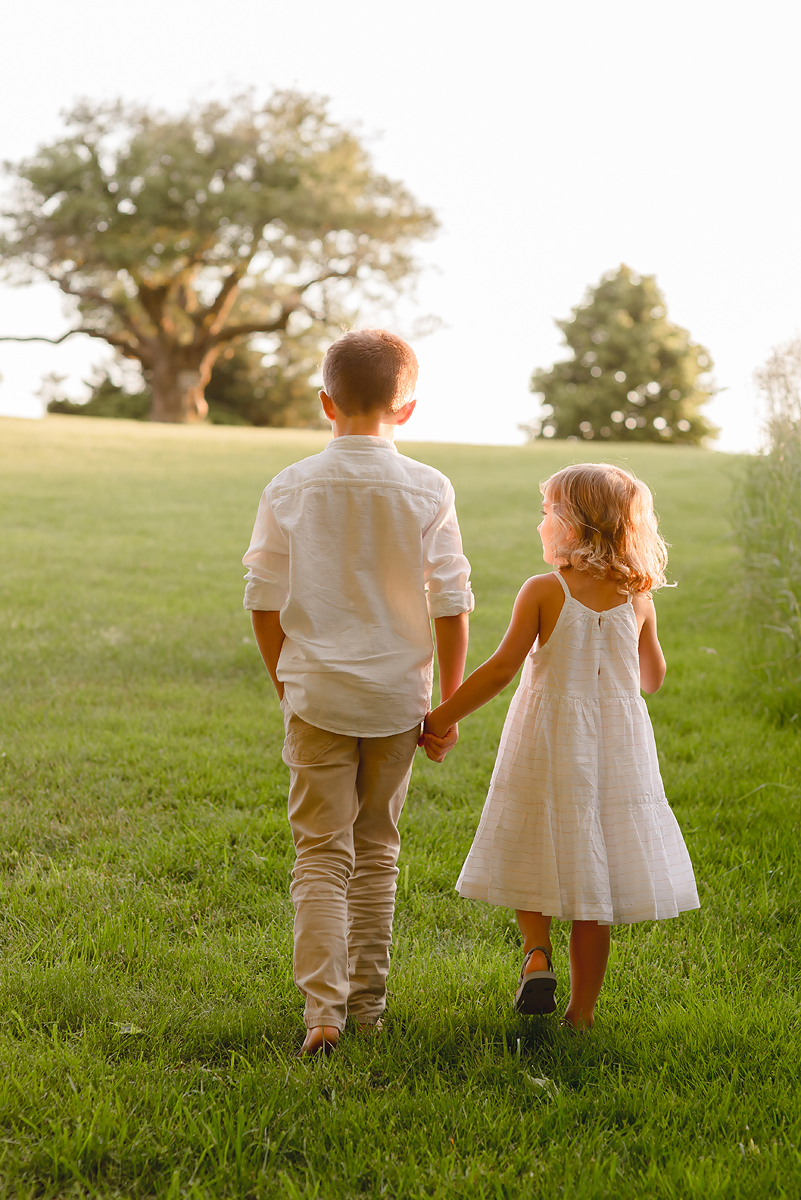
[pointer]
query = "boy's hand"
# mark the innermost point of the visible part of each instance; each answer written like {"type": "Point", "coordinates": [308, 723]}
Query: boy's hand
{"type": "Point", "coordinates": [437, 747]}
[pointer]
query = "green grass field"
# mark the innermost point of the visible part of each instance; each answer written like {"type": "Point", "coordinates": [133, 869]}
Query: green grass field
{"type": "Point", "coordinates": [149, 1020]}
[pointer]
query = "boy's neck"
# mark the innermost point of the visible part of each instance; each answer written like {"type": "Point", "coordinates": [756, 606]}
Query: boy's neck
{"type": "Point", "coordinates": [362, 425]}
{"type": "Point", "coordinates": [371, 424]}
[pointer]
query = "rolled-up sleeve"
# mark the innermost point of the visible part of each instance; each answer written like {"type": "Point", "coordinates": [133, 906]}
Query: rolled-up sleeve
{"type": "Point", "coordinates": [447, 571]}
{"type": "Point", "coordinates": [267, 561]}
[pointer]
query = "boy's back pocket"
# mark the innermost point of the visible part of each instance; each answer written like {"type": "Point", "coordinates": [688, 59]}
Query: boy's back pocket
{"type": "Point", "coordinates": [304, 743]}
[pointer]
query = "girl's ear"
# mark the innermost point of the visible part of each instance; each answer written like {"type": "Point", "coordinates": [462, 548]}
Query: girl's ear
{"type": "Point", "coordinates": [564, 534]}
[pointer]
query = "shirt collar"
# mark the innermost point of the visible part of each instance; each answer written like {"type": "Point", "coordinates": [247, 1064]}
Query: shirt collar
{"type": "Point", "coordinates": [361, 441]}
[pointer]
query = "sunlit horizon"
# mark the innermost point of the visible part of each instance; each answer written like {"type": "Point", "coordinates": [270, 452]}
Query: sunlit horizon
{"type": "Point", "coordinates": [586, 140]}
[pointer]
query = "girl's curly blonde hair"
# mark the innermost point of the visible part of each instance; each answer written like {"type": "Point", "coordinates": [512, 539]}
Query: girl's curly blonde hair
{"type": "Point", "coordinates": [604, 523]}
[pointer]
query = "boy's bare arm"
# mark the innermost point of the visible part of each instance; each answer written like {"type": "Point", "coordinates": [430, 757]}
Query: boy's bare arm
{"type": "Point", "coordinates": [451, 634]}
{"type": "Point", "coordinates": [269, 638]}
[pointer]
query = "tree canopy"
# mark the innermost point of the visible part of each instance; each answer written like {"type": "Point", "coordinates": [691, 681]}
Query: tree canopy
{"type": "Point", "coordinates": [176, 237]}
{"type": "Point", "coordinates": [632, 375]}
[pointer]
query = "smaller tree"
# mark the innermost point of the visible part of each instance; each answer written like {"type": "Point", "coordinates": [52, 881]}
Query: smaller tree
{"type": "Point", "coordinates": [633, 374]}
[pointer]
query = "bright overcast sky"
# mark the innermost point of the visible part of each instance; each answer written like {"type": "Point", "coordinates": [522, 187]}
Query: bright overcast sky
{"type": "Point", "coordinates": [554, 141]}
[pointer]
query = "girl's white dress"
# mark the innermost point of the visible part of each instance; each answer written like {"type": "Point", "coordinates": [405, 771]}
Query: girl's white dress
{"type": "Point", "coordinates": [576, 824]}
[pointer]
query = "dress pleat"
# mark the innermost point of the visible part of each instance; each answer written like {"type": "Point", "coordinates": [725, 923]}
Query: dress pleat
{"type": "Point", "coordinates": [576, 824]}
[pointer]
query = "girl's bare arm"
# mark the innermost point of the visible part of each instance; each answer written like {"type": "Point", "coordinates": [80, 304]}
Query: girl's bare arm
{"type": "Point", "coordinates": [652, 660]}
{"type": "Point", "coordinates": [493, 675]}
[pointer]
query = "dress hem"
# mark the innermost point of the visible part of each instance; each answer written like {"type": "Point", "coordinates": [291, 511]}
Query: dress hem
{"type": "Point", "coordinates": [528, 904]}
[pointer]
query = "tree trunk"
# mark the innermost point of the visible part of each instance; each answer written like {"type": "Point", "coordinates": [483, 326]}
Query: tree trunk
{"type": "Point", "coordinates": [178, 385]}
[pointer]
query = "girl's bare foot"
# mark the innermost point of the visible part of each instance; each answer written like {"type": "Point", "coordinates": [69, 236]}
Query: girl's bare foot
{"type": "Point", "coordinates": [322, 1039]}
{"type": "Point", "coordinates": [578, 1022]}
{"type": "Point", "coordinates": [589, 952]}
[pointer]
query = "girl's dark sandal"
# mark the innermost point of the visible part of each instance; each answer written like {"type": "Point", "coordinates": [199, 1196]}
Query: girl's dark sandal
{"type": "Point", "coordinates": [535, 995]}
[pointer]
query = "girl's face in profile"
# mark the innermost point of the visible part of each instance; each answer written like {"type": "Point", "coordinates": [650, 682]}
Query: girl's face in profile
{"type": "Point", "coordinates": [545, 530]}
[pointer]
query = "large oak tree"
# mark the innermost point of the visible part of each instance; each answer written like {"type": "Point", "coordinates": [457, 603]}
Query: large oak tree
{"type": "Point", "coordinates": [177, 237]}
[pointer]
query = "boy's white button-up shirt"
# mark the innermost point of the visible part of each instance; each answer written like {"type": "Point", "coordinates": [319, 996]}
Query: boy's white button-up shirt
{"type": "Point", "coordinates": [358, 547]}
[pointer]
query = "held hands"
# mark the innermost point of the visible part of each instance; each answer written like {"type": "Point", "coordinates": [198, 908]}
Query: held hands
{"type": "Point", "coordinates": [437, 739]}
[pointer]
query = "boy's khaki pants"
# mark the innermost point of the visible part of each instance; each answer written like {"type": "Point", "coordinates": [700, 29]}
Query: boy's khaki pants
{"type": "Point", "coordinates": [345, 798]}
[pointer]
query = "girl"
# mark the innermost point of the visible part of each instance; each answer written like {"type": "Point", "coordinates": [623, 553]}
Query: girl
{"type": "Point", "coordinates": [576, 824]}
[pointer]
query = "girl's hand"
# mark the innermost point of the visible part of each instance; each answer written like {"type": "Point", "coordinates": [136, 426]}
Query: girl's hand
{"type": "Point", "coordinates": [437, 748]}
{"type": "Point", "coordinates": [435, 726]}
{"type": "Point", "coordinates": [437, 739]}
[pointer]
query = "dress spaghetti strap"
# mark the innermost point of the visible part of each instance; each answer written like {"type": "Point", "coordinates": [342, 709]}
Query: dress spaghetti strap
{"type": "Point", "coordinates": [629, 598]}
{"type": "Point", "coordinates": [564, 585]}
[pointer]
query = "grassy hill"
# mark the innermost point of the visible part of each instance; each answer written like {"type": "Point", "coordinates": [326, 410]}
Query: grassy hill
{"type": "Point", "coordinates": [148, 1015]}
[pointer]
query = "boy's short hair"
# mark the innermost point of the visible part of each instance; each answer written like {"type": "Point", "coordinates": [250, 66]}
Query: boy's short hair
{"type": "Point", "coordinates": [369, 370]}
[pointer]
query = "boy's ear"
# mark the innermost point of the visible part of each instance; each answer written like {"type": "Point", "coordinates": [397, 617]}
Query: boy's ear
{"type": "Point", "coordinates": [403, 414]}
{"type": "Point", "coordinates": [328, 405]}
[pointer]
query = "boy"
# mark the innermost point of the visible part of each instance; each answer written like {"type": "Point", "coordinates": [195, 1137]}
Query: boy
{"type": "Point", "coordinates": [353, 551]}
